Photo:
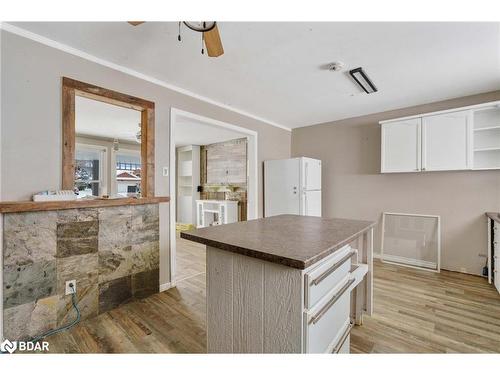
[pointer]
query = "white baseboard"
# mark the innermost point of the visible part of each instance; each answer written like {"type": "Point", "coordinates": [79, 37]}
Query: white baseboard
{"type": "Point", "coordinates": [406, 261]}
{"type": "Point", "coordinates": [165, 286]}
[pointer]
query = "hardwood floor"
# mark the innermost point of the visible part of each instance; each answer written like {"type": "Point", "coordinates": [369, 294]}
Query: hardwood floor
{"type": "Point", "coordinates": [415, 312]}
{"type": "Point", "coordinates": [169, 322]}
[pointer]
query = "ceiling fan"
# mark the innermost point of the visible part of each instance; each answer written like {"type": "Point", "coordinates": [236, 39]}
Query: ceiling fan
{"type": "Point", "coordinates": [209, 35]}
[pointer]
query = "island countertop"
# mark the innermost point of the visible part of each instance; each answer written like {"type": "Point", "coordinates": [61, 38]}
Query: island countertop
{"type": "Point", "coordinates": [291, 240]}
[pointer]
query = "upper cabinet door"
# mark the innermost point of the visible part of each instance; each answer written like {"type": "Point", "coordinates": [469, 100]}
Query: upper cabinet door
{"type": "Point", "coordinates": [401, 148]}
{"type": "Point", "coordinates": [446, 142]}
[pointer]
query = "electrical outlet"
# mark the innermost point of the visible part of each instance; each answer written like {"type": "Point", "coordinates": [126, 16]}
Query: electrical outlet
{"type": "Point", "coordinates": [70, 290]}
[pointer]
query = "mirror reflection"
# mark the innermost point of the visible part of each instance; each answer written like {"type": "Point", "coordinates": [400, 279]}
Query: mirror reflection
{"type": "Point", "coordinates": [108, 149]}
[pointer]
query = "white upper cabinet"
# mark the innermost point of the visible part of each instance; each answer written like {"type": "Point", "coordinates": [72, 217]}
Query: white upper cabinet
{"type": "Point", "coordinates": [446, 140]}
{"type": "Point", "coordinates": [401, 147]}
{"type": "Point", "coordinates": [466, 138]}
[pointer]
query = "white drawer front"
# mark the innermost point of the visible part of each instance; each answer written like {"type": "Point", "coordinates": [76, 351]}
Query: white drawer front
{"type": "Point", "coordinates": [339, 345]}
{"type": "Point", "coordinates": [324, 323]}
{"type": "Point", "coordinates": [322, 279]}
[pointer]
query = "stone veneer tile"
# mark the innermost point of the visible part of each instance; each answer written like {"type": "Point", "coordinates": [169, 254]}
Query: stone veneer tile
{"type": "Point", "coordinates": [146, 283]}
{"type": "Point", "coordinates": [30, 319]}
{"type": "Point", "coordinates": [114, 228]}
{"type": "Point", "coordinates": [76, 238]}
{"type": "Point", "coordinates": [29, 237]}
{"type": "Point", "coordinates": [128, 241]}
{"type": "Point", "coordinates": [42, 219]}
{"type": "Point", "coordinates": [145, 224]}
{"type": "Point", "coordinates": [77, 214]}
{"type": "Point", "coordinates": [112, 252]}
{"type": "Point", "coordinates": [28, 282]}
{"type": "Point", "coordinates": [87, 298]}
{"type": "Point", "coordinates": [145, 256]}
{"type": "Point", "coordinates": [115, 213]}
{"type": "Point", "coordinates": [114, 293]}
{"type": "Point", "coordinates": [114, 264]}
{"type": "Point", "coordinates": [128, 260]}
{"type": "Point", "coordinates": [82, 268]}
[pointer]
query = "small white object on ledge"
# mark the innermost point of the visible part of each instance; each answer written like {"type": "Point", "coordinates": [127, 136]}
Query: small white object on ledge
{"type": "Point", "coordinates": [58, 195]}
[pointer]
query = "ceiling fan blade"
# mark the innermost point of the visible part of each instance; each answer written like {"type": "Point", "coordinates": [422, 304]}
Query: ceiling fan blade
{"type": "Point", "coordinates": [135, 23]}
{"type": "Point", "coordinates": [213, 42]}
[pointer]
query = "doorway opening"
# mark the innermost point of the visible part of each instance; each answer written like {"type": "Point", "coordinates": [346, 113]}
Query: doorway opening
{"type": "Point", "coordinates": [213, 181]}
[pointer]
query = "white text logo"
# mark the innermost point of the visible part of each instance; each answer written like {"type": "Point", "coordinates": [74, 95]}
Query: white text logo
{"type": "Point", "coordinates": [8, 346]}
{"type": "Point", "coordinates": [24, 346]}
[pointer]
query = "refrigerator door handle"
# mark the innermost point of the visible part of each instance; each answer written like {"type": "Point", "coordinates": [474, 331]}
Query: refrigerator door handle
{"type": "Point", "coordinates": [306, 169]}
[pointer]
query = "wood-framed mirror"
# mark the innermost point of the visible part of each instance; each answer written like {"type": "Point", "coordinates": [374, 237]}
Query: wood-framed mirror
{"type": "Point", "coordinates": [108, 156]}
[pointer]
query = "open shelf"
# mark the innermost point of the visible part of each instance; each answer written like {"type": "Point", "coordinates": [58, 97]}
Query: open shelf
{"type": "Point", "coordinates": [486, 138]}
{"type": "Point", "coordinates": [487, 158]}
{"type": "Point", "coordinates": [486, 118]}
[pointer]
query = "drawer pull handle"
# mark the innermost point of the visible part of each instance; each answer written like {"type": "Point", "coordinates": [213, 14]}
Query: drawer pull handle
{"type": "Point", "coordinates": [332, 269]}
{"type": "Point", "coordinates": [315, 319]}
{"type": "Point", "coordinates": [345, 335]}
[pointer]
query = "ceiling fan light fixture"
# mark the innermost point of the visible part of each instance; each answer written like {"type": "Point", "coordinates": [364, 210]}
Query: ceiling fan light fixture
{"type": "Point", "coordinates": [200, 26]}
{"type": "Point", "coordinates": [363, 80]}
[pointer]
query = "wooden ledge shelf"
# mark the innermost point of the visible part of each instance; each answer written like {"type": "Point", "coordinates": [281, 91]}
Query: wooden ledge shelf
{"type": "Point", "coordinates": [30, 206]}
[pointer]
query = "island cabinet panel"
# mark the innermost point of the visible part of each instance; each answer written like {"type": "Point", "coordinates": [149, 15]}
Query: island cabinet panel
{"type": "Point", "coordinates": [253, 306]}
{"type": "Point", "coordinates": [220, 295]}
{"type": "Point", "coordinates": [283, 309]}
{"type": "Point", "coordinates": [248, 319]}
{"type": "Point", "coordinates": [271, 291]}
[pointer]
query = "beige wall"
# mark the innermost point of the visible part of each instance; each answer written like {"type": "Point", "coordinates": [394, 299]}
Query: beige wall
{"type": "Point", "coordinates": [354, 188]}
{"type": "Point", "coordinates": [31, 121]}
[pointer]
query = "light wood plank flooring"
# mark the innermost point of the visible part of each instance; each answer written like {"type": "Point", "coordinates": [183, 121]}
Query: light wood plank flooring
{"type": "Point", "coordinates": [424, 312]}
{"type": "Point", "coordinates": [415, 312]}
{"type": "Point", "coordinates": [190, 258]}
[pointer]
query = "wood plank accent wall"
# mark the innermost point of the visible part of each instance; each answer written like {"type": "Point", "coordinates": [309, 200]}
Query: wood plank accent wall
{"type": "Point", "coordinates": [223, 164]}
{"type": "Point", "coordinates": [71, 88]}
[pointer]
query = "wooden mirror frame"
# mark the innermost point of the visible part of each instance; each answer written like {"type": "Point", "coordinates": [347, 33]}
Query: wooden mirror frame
{"type": "Point", "coordinates": [71, 88]}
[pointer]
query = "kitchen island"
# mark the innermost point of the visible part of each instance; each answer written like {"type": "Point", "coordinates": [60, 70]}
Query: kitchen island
{"type": "Point", "coordinates": [286, 284]}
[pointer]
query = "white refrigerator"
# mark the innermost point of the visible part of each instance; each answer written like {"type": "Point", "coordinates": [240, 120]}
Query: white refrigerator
{"type": "Point", "coordinates": [292, 186]}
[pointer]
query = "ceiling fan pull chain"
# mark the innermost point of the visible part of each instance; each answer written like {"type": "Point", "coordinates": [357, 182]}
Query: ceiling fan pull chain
{"type": "Point", "coordinates": [202, 43]}
{"type": "Point", "coordinates": [179, 35]}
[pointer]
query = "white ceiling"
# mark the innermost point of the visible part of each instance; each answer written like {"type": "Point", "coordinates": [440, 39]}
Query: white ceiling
{"type": "Point", "coordinates": [187, 131]}
{"type": "Point", "coordinates": [98, 119]}
{"type": "Point", "coordinates": [276, 70]}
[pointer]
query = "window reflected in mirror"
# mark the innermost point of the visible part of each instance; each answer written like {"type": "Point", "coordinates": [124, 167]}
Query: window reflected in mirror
{"type": "Point", "coordinates": [107, 149]}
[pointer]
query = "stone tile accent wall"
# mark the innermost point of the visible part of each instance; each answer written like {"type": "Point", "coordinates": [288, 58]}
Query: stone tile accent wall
{"type": "Point", "coordinates": [111, 252]}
